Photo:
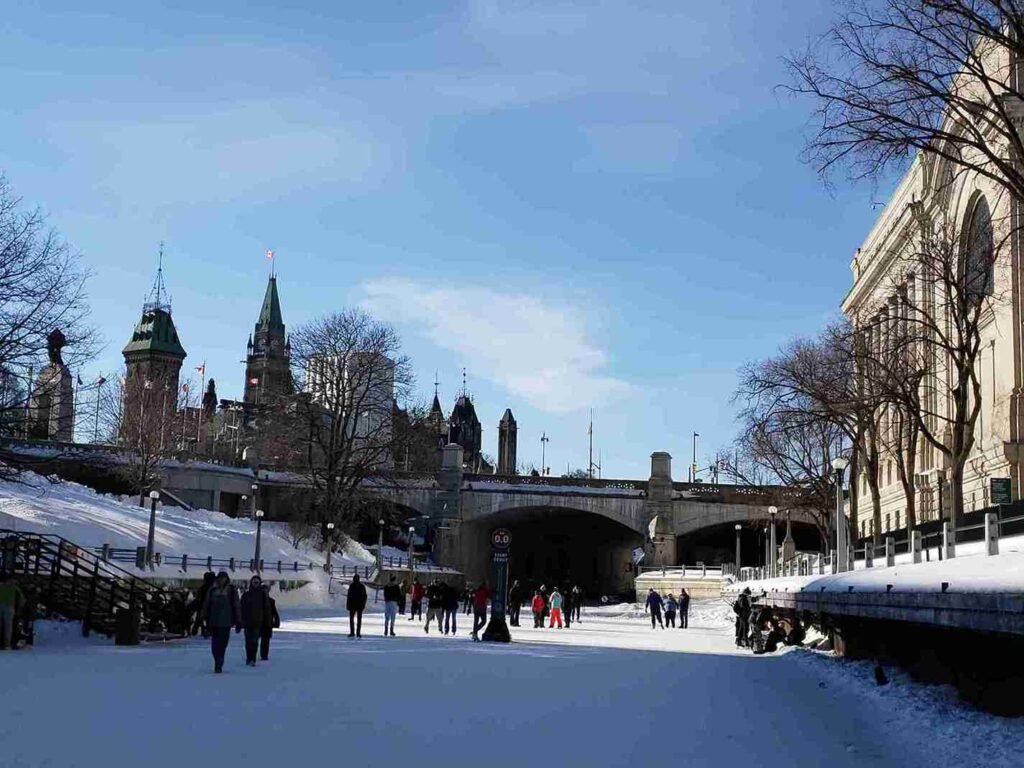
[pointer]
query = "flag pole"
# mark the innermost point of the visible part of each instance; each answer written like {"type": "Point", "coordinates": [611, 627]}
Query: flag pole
{"type": "Point", "coordinates": [199, 411]}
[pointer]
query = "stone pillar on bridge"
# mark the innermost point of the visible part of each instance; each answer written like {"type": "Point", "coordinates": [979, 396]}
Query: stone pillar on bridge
{"type": "Point", "coordinates": [662, 547]}
{"type": "Point", "coordinates": [446, 517]}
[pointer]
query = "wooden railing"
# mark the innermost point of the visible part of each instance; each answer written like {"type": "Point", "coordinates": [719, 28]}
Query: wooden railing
{"type": "Point", "coordinates": [74, 583]}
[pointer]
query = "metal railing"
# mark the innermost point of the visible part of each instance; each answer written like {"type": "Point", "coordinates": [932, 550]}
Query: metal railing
{"type": "Point", "coordinates": [700, 569]}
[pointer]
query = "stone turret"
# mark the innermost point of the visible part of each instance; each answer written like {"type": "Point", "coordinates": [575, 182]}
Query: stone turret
{"type": "Point", "coordinates": [662, 547]}
{"type": "Point", "coordinates": [268, 352]}
{"type": "Point", "coordinates": [507, 439]}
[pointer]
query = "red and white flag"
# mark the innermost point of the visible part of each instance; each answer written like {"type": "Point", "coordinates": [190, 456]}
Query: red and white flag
{"type": "Point", "coordinates": [201, 369]}
{"type": "Point", "coordinates": [100, 381]}
{"type": "Point", "coordinates": [184, 387]}
{"type": "Point", "coordinates": [270, 254]}
{"type": "Point", "coordinates": [254, 381]}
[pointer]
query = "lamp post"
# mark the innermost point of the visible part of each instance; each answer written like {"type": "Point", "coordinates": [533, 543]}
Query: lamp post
{"type": "Point", "coordinates": [380, 559]}
{"type": "Point", "coordinates": [245, 500]}
{"type": "Point", "coordinates": [259, 531]}
{"type": "Point", "coordinates": [153, 497]}
{"type": "Point", "coordinates": [255, 488]}
{"type": "Point", "coordinates": [738, 529]}
{"type": "Point", "coordinates": [330, 545]}
{"type": "Point", "coordinates": [773, 562]}
{"type": "Point", "coordinates": [412, 566]}
{"type": "Point", "coordinates": [544, 440]}
{"type": "Point", "coordinates": [839, 464]}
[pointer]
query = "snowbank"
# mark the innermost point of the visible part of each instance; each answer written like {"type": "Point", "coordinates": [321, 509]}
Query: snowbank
{"type": "Point", "coordinates": [89, 520]}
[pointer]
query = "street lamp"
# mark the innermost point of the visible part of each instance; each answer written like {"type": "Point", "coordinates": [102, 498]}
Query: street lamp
{"type": "Point", "coordinates": [259, 530]}
{"type": "Point", "coordinates": [839, 464]}
{"type": "Point", "coordinates": [254, 488]}
{"type": "Point", "coordinates": [738, 529]}
{"type": "Point", "coordinates": [772, 564]}
{"type": "Point", "coordinates": [153, 497]}
{"type": "Point", "coordinates": [412, 565]}
{"type": "Point", "coordinates": [330, 545]}
{"type": "Point", "coordinates": [380, 559]}
{"type": "Point", "coordinates": [544, 440]}
{"type": "Point", "coordinates": [245, 499]}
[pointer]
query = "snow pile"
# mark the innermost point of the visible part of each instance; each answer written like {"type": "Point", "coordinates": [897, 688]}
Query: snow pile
{"type": "Point", "coordinates": [961, 735]}
{"type": "Point", "coordinates": [89, 519]}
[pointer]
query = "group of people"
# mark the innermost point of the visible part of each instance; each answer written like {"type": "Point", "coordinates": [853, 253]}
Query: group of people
{"type": "Point", "coordinates": [561, 604]}
{"type": "Point", "coordinates": [444, 603]}
{"type": "Point", "coordinates": [218, 608]}
{"type": "Point", "coordinates": [656, 604]}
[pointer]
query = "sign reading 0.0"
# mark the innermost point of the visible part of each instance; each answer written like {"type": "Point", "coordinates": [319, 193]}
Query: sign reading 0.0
{"type": "Point", "coordinates": [501, 538]}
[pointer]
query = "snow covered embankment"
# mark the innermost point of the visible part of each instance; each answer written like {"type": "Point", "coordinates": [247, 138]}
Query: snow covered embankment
{"type": "Point", "coordinates": [89, 519]}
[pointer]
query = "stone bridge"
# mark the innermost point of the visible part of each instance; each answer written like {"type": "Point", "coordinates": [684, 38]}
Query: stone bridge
{"type": "Point", "coordinates": [585, 527]}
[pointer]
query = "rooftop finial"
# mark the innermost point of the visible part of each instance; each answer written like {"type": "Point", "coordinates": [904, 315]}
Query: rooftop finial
{"type": "Point", "coordinates": [157, 298]}
{"type": "Point", "coordinates": [437, 383]}
{"type": "Point", "coordinates": [464, 382]}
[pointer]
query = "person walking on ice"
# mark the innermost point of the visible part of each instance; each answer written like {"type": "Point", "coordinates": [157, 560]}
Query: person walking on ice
{"type": "Point", "coordinates": [480, 597]}
{"type": "Point", "coordinates": [270, 622]}
{"type": "Point", "coordinates": [392, 594]}
{"type": "Point", "coordinates": [684, 609]}
{"type": "Point", "coordinates": [355, 604]}
{"type": "Point", "coordinates": [254, 614]}
{"type": "Point", "coordinates": [435, 601]}
{"type": "Point", "coordinates": [654, 604]}
{"type": "Point", "coordinates": [555, 603]}
{"type": "Point", "coordinates": [670, 611]}
{"type": "Point", "coordinates": [221, 612]}
{"type": "Point", "coordinates": [537, 606]}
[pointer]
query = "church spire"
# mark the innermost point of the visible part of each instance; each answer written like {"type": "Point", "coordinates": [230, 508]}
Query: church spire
{"type": "Point", "coordinates": [157, 298]}
{"type": "Point", "coordinates": [270, 319]}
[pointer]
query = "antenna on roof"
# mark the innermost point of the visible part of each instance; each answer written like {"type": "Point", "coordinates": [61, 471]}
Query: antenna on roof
{"type": "Point", "coordinates": [157, 298]}
{"type": "Point", "coordinates": [464, 382]}
{"type": "Point", "coordinates": [436, 383]}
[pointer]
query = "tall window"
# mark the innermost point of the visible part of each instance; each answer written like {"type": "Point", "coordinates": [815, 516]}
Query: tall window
{"type": "Point", "coordinates": [979, 252]}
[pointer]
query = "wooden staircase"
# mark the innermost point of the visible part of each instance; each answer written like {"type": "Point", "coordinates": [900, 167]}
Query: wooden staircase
{"type": "Point", "coordinates": [74, 583]}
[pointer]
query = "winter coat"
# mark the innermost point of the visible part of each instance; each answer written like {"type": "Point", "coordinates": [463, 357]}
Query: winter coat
{"type": "Point", "coordinates": [538, 604]}
{"type": "Point", "coordinates": [654, 602]}
{"type": "Point", "coordinates": [392, 593]}
{"type": "Point", "coordinates": [356, 600]}
{"type": "Point", "coordinates": [417, 592]}
{"type": "Point", "coordinates": [515, 596]}
{"type": "Point", "coordinates": [742, 606]}
{"type": "Point", "coordinates": [684, 601]}
{"type": "Point", "coordinates": [272, 619]}
{"type": "Point", "coordinates": [221, 608]}
{"type": "Point", "coordinates": [480, 596]}
{"type": "Point", "coordinates": [671, 605]}
{"type": "Point", "coordinates": [452, 598]}
{"type": "Point", "coordinates": [255, 610]}
{"type": "Point", "coordinates": [556, 600]}
{"type": "Point", "coordinates": [435, 596]}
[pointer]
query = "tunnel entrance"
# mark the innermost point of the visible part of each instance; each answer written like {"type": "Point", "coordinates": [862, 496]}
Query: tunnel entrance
{"type": "Point", "coordinates": [716, 544]}
{"type": "Point", "coordinates": [557, 546]}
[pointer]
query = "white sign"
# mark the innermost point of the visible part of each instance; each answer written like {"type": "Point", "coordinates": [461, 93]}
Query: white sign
{"type": "Point", "coordinates": [638, 555]}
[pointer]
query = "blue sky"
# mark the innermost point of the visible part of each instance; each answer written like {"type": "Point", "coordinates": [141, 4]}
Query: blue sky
{"type": "Point", "coordinates": [583, 204]}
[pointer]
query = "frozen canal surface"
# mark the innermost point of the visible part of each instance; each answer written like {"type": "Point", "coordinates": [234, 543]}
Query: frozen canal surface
{"type": "Point", "coordinates": [608, 692]}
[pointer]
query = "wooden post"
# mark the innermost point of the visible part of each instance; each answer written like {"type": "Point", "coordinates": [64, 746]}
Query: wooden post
{"type": "Point", "coordinates": [890, 551]}
{"type": "Point", "coordinates": [915, 546]}
{"type": "Point", "coordinates": [991, 533]}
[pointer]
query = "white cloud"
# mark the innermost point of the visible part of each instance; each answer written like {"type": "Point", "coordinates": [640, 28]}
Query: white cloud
{"type": "Point", "coordinates": [535, 351]}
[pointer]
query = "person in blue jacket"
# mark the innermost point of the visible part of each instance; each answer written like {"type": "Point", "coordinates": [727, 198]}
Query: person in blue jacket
{"type": "Point", "coordinates": [654, 604]}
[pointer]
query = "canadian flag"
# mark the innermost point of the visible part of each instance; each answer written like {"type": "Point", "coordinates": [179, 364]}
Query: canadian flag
{"type": "Point", "coordinates": [254, 381]}
{"type": "Point", "coordinates": [201, 369]}
{"type": "Point", "coordinates": [270, 254]}
{"type": "Point", "coordinates": [184, 387]}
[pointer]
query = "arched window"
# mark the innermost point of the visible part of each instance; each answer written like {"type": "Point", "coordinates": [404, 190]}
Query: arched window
{"type": "Point", "coordinates": [979, 252]}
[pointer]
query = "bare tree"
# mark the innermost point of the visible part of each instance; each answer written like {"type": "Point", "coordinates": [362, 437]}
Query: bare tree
{"type": "Point", "coordinates": [350, 371]}
{"type": "Point", "coordinates": [891, 78]}
{"type": "Point", "coordinates": [146, 421]}
{"type": "Point", "coordinates": [929, 345]}
{"type": "Point", "coordinates": [42, 288]}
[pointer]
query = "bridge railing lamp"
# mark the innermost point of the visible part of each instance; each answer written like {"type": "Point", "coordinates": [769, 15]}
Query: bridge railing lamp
{"type": "Point", "coordinates": [154, 496]}
{"type": "Point", "coordinates": [839, 464]}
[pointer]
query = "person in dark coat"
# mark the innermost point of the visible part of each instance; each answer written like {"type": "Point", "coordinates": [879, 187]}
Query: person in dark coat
{"type": "Point", "coordinates": [567, 606]}
{"type": "Point", "coordinates": [742, 610]}
{"type": "Point", "coordinates": [355, 604]}
{"type": "Point", "coordinates": [450, 606]}
{"type": "Point", "coordinates": [254, 614]}
{"type": "Point", "coordinates": [198, 624]}
{"type": "Point", "coordinates": [467, 600]}
{"type": "Point", "coordinates": [271, 621]}
{"type": "Point", "coordinates": [577, 602]}
{"type": "Point", "coordinates": [402, 590]}
{"type": "Point", "coordinates": [435, 605]}
{"type": "Point", "coordinates": [391, 594]}
{"type": "Point", "coordinates": [654, 604]}
{"type": "Point", "coordinates": [515, 602]}
{"type": "Point", "coordinates": [221, 612]}
{"type": "Point", "coordinates": [684, 609]}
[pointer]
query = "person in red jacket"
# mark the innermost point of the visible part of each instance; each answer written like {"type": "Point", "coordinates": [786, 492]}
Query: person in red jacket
{"type": "Point", "coordinates": [537, 606]}
{"type": "Point", "coordinates": [416, 592]}
{"type": "Point", "coordinates": [480, 597]}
